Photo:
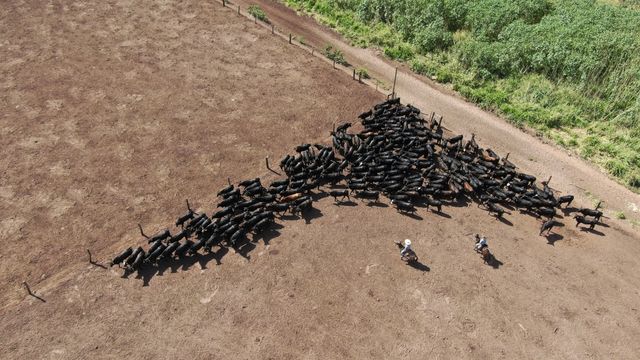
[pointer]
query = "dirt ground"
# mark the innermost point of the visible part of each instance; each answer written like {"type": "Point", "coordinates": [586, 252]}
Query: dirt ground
{"type": "Point", "coordinates": [116, 111]}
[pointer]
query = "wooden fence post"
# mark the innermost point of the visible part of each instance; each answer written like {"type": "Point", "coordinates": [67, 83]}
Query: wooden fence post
{"type": "Point", "coordinates": [395, 77]}
{"type": "Point", "coordinates": [266, 160]}
{"type": "Point", "coordinates": [95, 263]}
{"type": "Point", "coordinates": [24, 283]}
{"type": "Point", "coordinates": [224, 3]}
{"type": "Point", "coordinates": [272, 29]}
{"type": "Point", "coordinates": [354, 74]}
{"type": "Point", "coordinates": [289, 38]}
{"type": "Point", "coordinates": [238, 9]}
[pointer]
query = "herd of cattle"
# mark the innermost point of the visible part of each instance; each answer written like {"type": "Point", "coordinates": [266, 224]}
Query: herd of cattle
{"type": "Point", "coordinates": [398, 155]}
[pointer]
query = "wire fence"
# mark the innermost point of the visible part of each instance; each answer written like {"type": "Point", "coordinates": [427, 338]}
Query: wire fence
{"type": "Point", "coordinates": [360, 76]}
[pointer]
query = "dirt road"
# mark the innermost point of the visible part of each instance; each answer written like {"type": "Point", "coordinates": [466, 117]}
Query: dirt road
{"type": "Point", "coordinates": [534, 155]}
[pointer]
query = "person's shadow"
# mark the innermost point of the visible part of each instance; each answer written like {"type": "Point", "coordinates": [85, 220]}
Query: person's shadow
{"type": "Point", "coordinates": [494, 262]}
{"type": "Point", "coordinates": [419, 266]}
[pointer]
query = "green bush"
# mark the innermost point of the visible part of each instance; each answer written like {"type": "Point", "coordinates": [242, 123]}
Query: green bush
{"type": "Point", "coordinates": [455, 14]}
{"type": "Point", "coordinates": [376, 10]}
{"type": "Point", "coordinates": [484, 58]}
{"type": "Point", "coordinates": [422, 67]}
{"type": "Point", "coordinates": [363, 73]}
{"type": "Point", "coordinates": [634, 181]}
{"type": "Point", "coordinates": [487, 18]}
{"type": "Point", "coordinates": [257, 12]}
{"type": "Point", "coordinates": [335, 54]}
{"type": "Point", "coordinates": [400, 51]}
{"type": "Point", "coordinates": [433, 36]}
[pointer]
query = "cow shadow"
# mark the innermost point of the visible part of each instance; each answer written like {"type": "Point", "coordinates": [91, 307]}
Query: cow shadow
{"type": "Point", "coordinates": [245, 249]}
{"type": "Point", "coordinates": [568, 210]}
{"type": "Point", "coordinates": [504, 221]}
{"type": "Point", "coordinates": [553, 237]}
{"type": "Point", "coordinates": [377, 204]}
{"type": "Point", "coordinates": [460, 201]}
{"type": "Point", "coordinates": [267, 234]}
{"type": "Point", "coordinates": [146, 273]}
{"type": "Point", "coordinates": [188, 261]}
{"type": "Point", "coordinates": [442, 214]}
{"type": "Point", "coordinates": [345, 203]}
{"type": "Point", "coordinates": [289, 217]}
{"type": "Point", "coordinates": [411, 215]}
{"type": "Point", "coordinates": [592, 231]}
{"type": "Point", "coordinates": [319, 195]}
{"type": "Point", "coordinates": [310, 214]}
{"type": "Point", "coordinates": [149, 271]}
{"type": "Point", "coordinates": [218, 255]}
{"type": "Point", "coordinates": [127, 273]}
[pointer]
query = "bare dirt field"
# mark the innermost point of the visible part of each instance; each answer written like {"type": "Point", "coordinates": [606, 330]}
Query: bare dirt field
{"type": "Point", "coordinates": [114, 112]}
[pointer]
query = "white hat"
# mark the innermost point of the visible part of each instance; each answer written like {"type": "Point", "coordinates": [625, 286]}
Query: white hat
{"type": "Point", "coordinates": [407, 242]}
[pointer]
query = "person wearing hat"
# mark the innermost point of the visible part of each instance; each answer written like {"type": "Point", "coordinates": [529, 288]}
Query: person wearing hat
{"type": "Point", "coordinates": [481, 242]}
{"type": "Point", "coordinates": [406, 249]}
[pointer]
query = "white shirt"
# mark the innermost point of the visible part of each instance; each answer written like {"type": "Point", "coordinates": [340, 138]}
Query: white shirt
{"type": "Point", "coordinates": [482, 241]}
{"type": "Point", "coordinates": [405, 249]}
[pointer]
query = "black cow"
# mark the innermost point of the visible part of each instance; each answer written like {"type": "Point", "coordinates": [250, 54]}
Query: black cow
{"type": "Point", "coordinates": [548, 225]}
{"type": "Point", "coordinates": [225, 190]}
{"type": "Point", "coordinates": [583, 220]}
{"type": "Point", "coordinates": [494, 209]}
{"type": "Point", "coordinates": [122, 256]}
{"type": "Point", "coordinates": [339, 193]}
{"type": "Point", "coordinates": [435, 203]}
{"type": "Point", "coordinates": [181, 251]}
{"type": "Point", "coordinates": [369, 195]}
{"type": "Point", "coordinates": [589, 212]}
{"type": "Point", "coordinates": [133, 256]}
{"type": "Point", "coordinates": [567, 199]}
{"type": "Point", "coordinates": [404, 206]}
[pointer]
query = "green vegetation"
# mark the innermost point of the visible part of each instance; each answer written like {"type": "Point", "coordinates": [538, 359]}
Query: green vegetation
{"type": "Point", "coordinates": [620, 215]}
{"type": "Point", "coordinates": [301, 40]}
{"type": "Point", "coordinates": [335, 55]}
{"type": "Point", "coordinates": [257, 12]}
{"type": "Point", "coordinates": [569, 69]}
{"type": "Point", "coordinates": [363, 73]}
